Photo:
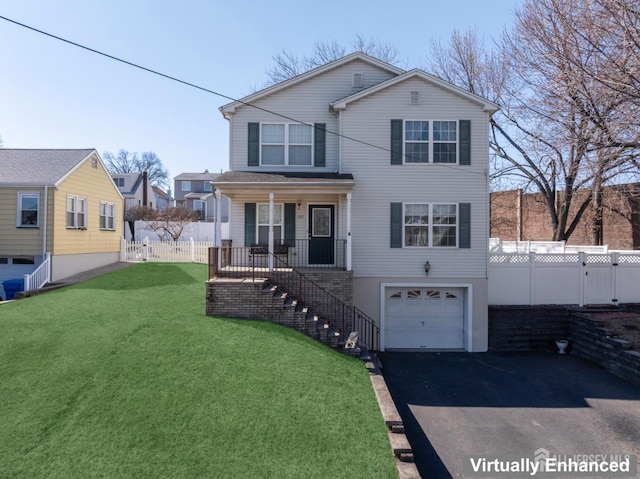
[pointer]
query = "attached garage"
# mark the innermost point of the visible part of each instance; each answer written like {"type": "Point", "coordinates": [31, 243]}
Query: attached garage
{"type": "Point", "coordinates": [424, 317]}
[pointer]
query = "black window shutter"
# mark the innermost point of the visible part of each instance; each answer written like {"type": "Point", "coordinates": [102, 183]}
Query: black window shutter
{"type": "Point", "coordinates": [396, 142]}
{"type": "Point", "coordinates": [290, 224]}
{"type": "Point", "coordinates": [319, 142]}
{"type": "Point", "coordinates": [465, 142]}
{"type": "Point", "coordinates": [254, 144]}
{"type": "Point", "coordinates": [249, 224]}
{"type": "Point", "coordinates": [396, 225]}
{"type": "Point", "coordinates": [464, 211]}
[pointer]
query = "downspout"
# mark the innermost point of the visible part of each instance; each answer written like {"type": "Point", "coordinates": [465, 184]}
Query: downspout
{"type": "Point", "coordinates": [44, 223]}
{"type": "Point", "coordinates": [145, 193]}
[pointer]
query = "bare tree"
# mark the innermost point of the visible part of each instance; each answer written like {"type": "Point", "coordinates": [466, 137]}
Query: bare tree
{"type": "Point", "coordinates": [170, 223]}
{"type": "Point", "coordinates": [560, 129]}
{"type": "Point", "coordinates": [288, 65]}
{"type": "Point", "coordinates": [126, 162]}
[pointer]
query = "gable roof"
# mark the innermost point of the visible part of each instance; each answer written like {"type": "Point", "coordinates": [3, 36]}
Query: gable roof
{"type": "Point", "coordinates": [206, 176]}
{"type": "Point", "coordinates": [38, 167]}
{"type": "Point", "coordinates": [487, 105]}
{"type": "Point", "coordinates": [137, 181]}
{"type": "Point", "coordinates": [230, 108]}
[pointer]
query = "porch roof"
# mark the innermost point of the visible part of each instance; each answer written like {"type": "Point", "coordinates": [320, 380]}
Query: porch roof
{"type": "Point", "coordinates": [242, 181]}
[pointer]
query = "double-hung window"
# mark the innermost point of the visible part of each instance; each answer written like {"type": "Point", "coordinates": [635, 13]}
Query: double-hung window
{"type": "Point", "coordinates": [28, 210]}
{"type": "Point", "coordinates": [107, 215]}
{"type": "Point", "coordinates": [430, 141]}
{"type": "Point", "coordinates": [76, 212]}
{"type": "Point", "coordinates": [286, 144]}
{"type": "Point", "coordinates": [201, 207]}
{"type": "Point", "coordinates": [430, 224]}
{"type": "Point", "coordinates": [186, 186]}
{"type": "Point", "coordinates": [263, 224]}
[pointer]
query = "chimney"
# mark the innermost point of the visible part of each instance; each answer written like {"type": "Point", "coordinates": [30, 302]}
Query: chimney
{"type": "Point", "coordinates": [145, 185]}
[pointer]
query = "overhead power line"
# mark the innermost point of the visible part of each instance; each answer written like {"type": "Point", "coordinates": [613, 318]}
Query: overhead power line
{"type": "Point", "coordinates": [207, 90]}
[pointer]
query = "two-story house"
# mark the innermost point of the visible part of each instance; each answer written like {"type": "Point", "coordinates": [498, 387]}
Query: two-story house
{"type": "Point", "coordinates": [379, 171]}
{"type": "Point", "coordinates": [136, 190]}
{"type": "Point", "coordinates": [194, 191]}
{"type": "Point", "coordinates": [57, 203]}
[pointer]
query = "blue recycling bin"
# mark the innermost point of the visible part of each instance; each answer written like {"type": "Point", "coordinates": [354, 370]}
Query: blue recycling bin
{"type": "Point", "coordinates": [13, 286]}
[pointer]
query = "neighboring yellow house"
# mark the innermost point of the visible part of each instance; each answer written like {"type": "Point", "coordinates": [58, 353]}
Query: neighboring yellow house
{"type": "Point", "coordinates": [61, 202]}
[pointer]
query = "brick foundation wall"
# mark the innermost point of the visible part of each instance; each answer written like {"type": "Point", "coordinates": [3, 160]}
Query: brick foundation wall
{"type": "Point", "coordinates": [527, 328]}
{"type": "Point", "coordinates": [338, 283]}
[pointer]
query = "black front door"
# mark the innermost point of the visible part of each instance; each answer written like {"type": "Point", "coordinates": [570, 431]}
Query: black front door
{"type": "Point", "coordinates": [321, 234]}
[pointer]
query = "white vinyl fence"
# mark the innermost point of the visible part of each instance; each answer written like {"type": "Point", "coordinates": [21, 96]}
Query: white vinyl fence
{"type": "Point", "coordinates": [40, 276]}
{"type": "Point", "coordinates": [173, 252]}
{"type": "Point", "coordinates": [569, 278]}
{"type": "Point", "coordinates": [496, 245]}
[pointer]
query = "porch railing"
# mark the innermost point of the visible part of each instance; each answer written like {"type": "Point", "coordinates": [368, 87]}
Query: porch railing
{"type": "Point", "coordinates": [253, 263]}
{"type": "Point", "coordinates": [243, 262]}
{"type": "Point", "coordinates": [40, 276]}
{"type": "Point", "coordinates": [341, 317]}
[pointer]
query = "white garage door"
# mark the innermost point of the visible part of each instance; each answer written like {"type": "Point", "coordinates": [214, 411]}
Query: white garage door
{"type": "Point", "coordinates": [424, 318]}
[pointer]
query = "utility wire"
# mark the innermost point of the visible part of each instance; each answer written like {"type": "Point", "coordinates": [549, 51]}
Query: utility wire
{"type": "Point", "coordinates": [193, 85]}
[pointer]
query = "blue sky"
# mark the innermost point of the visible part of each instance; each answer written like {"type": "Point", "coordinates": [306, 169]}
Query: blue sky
{"type": "Point", "coordinates": [53, 95]}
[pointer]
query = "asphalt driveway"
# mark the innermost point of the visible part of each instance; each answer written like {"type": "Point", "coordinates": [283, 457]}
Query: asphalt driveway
{"type": "Point", "coordinates": [456, 404]}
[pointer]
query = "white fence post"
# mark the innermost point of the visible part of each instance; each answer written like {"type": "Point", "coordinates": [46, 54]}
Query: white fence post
{"type": "Point", "coordinates": [145, 249]}
{"type": "Point", "coordinates": [192, 250]}
{"type": "Point", "coordinates": [123, 250]}
{"type": "Point", "coordinates": [582, 258]}
{"type": "Point", "coordinates": [615, 258]}
{"type": "Point", "coordinates": [27, 282]}
{"type": "Point", "coordinates": [532, 278]}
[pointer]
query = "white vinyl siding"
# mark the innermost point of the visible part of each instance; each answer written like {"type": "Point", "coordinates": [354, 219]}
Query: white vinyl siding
{"type": "Point", "coordinates": [378, 183]}
{"type": "Point", "coordinates": [308, 101]}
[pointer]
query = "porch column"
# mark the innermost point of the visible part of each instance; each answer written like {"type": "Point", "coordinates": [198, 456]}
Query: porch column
{"type": "Point", "coordinates": [348, 232]}
{"type": "Point", "coordinates": [218, 233]}
{"type": "Point", "coordinates": [271, 195]}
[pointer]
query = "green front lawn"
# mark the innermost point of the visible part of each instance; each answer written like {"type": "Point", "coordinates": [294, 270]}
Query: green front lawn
{"type": "Point", "coordinates": [124, 376]}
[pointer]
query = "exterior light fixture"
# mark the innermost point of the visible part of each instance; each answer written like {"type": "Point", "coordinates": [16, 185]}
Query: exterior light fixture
{"type": "Point", "coordinates": [427, 267]}
{"type": "Point", "coordinates": [299, 204]}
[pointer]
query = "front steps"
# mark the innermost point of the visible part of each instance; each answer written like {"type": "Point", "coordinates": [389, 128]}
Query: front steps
{"type": "Point", "coordinates": [298, 316]}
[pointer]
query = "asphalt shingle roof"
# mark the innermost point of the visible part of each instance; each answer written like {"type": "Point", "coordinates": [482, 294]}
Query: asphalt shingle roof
{"type": "Point", "coordinates": [37, 167]}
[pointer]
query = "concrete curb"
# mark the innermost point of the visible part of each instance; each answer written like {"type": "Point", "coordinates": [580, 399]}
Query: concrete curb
{"type": "Point", "coordinates": [398, 440]}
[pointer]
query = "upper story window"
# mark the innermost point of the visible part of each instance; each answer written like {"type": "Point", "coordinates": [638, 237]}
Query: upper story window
{"type": "Point", "coordinates": [286, 144]}
{"type": "Point", "coordinates": [186, 186]}
{"type": "Point", "coordinates": [107, 215]}
{"type": "Point", "coordinates": [119, 182]}
{"type": "Point", "coordinates": [430, 224]}
{"type": "Point", "coordinates": [207, 186]}
{"type": "Point", "coordinates": [76, 212]}
{"type": "Point", "coordinates": [430, 141]}
{"type": "Point", "coordinates": [28, 210]}
{"type": "Point", "coordinates": [435, 140]}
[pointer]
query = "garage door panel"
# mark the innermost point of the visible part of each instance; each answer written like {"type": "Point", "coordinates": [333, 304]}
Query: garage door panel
{"type": "Point", "coordinates": [429, 318]}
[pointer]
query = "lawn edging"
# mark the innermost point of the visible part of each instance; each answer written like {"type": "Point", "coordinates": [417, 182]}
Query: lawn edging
{"type": "Point", "coordinates": [400, 445]}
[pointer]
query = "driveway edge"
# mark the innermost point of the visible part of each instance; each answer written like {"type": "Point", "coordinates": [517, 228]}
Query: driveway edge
{"type": "Point", "coordinates": [395, 428]}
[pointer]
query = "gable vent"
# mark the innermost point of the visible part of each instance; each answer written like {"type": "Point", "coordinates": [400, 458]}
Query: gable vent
{"type": "Point", "coordinates": [415, 98]}
{"type": "Point", "coordinates": [358, 80]}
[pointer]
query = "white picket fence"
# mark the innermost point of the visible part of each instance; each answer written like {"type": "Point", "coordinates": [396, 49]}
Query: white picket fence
{"type": "Point", "coordinates": [564, 278]}
{"type": "Point", "coordinates": [172, 252]}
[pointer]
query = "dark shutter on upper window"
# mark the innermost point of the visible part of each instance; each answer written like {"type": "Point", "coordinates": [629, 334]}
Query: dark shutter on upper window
{"type": "Point", "coordinates": [396, 225]}
{"type": "Point", "coordinates": [249, 224]}
{"type": "Point", "coordinates": [290, 224]}
{"type": "Point", "coordinates": [254, 144]}
{"type": "Point", "coordinates": [396, 142]}
{"type": "Point", "coordinates": [464, 212]}
{"type": "Point", "coordinates": [319, 142]}
{"type": "Point", "coordinates": [465, 142]}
